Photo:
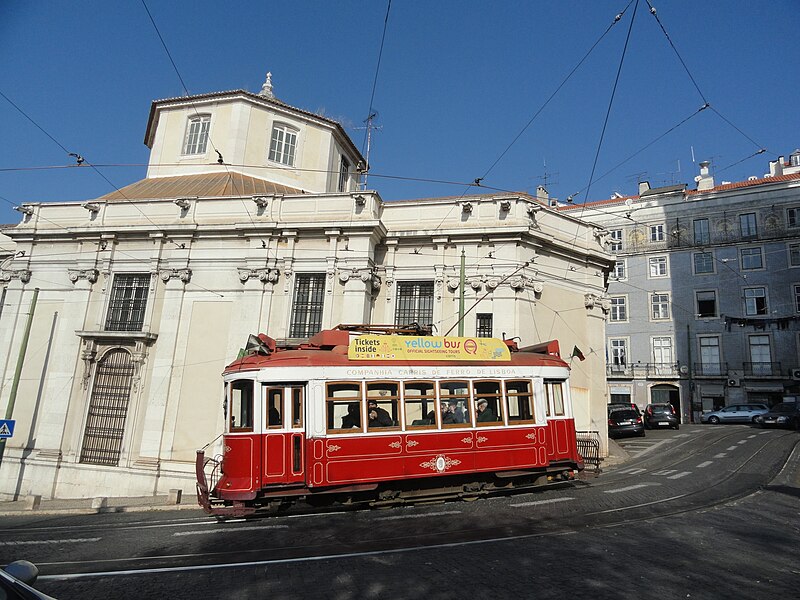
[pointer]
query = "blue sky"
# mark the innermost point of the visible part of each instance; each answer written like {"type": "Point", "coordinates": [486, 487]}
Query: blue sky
{"type": "Point", "coordinates": [458, 81]}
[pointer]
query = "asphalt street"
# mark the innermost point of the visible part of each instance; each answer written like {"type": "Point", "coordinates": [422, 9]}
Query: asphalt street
{"type": "Point", "coordinates": [704, 512]}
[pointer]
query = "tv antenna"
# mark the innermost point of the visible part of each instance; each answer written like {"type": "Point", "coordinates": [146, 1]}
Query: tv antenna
{"type": "Point", "coordinates": [370, 126]}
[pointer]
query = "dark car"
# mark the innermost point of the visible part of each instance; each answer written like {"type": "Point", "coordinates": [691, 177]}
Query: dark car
{"type": "Point", "coordinates": [16, 580]}
{"type": "Point", "coordinates": [736, 413]}
{"type": "Point", "coordinates": [623, 405]}
{"type": "Point", "coordinates": [623, 422]}
{"type": "Point", "coordinates": [785, 414]}
{"type": "Point", "coordinates": [660, 415]}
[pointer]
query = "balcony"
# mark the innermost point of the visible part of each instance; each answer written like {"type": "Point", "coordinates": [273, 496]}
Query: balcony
{"type": "Point", "coordinates": [710, 369]}
{"type": "Point", "coordinates": [762, 369]}
{"type": "Point", "coordinates": [643, 371]}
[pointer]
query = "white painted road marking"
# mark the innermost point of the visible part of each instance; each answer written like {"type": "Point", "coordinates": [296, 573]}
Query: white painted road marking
{"type": "Point", "coordinates": [538, 502]}
{"type": "Point", "coordinates": [731, 448]}
{"type": "Point", "coordinates": [740, 442]}
{"type": "Point", "coordinates": [434, 514]}
{"type": "Point", "coordinates": [230, 530]}
{"type": "Point", "coordinates": [665, 472]}
{"type": "Point", "coordinates": [633, 471]}
{"type": "Point", "coordinates": [64, 541]}
{"type": "Point", "coordinates": [629, 488]}
{"type": "Point", "coordinates": [720, 455]}
{"type": "Point", "coordinates": [679, 475]}
{"type": "Point", "coordinates": [705, 464]}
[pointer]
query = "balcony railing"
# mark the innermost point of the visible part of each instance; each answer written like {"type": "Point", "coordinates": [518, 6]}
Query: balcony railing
{"type": "Point", "coordinates": [641, 370]}
{"type": "Point", "coordinates": [762, 369]}
{"type": "Point", "coordinates": [710, 369]}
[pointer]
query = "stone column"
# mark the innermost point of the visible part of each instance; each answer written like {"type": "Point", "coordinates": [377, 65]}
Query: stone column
{"type": "Point", "coordinates": [162, 381]}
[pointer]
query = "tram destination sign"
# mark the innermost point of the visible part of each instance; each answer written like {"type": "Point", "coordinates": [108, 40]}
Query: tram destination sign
{"type": "Point", "coordinates": [397, 347]}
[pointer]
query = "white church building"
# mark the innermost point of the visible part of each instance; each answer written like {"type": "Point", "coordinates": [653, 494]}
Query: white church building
{"type": "Point", "coordinates": [252, 218]}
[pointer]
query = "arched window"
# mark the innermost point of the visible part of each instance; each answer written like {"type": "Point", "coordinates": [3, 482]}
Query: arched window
{"type": "Point", "coordinates": [108, 408]}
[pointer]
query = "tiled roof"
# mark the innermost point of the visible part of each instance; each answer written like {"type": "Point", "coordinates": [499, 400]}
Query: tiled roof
{"type": "Point", "coordinates": [203, 186]}
{"type": "Point", "coordinates": [258, 97]}
{"type": "Point", "coordinates": [743, 184]}
{"type": "Point", "coordinates": [719, 188]}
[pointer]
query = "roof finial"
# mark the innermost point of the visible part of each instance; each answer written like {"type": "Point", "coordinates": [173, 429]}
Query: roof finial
{"type": "Point", "coordinates": [266, 89]}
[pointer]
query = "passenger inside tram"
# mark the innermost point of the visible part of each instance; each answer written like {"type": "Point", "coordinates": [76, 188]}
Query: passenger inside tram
{"type": "Point", "coordinates": [484, 414]}
{"type": "Point", "coordinates": [274, 417]}
{"type": "Point", "coordinates": [378, 417]}
{"type": "Point", "coordinates": [352, 418]}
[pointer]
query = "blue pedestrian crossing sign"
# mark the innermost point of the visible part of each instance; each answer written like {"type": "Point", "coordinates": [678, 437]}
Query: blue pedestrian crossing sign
{"type": "Point", "coordinates": [6, 428]}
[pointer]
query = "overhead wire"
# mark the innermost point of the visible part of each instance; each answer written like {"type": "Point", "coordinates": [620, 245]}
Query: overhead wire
{"type": "Point", "coordinates": [377, 71]}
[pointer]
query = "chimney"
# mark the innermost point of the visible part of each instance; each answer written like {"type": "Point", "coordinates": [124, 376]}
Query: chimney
{"type": "Point", "coordinates": [643, 187]}
{"type": "Point", "coordinates": [541, 194]}
{"type": "Point", "coordinates": [776, 167]}
{"type": "Point", "coordinates": [704, 181]}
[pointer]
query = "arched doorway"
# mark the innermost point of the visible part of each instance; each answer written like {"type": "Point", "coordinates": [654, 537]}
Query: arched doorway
{"type": "Point", "coordinates": [666, 394]}
{"type": "Point", "coordinates": [108, 409]}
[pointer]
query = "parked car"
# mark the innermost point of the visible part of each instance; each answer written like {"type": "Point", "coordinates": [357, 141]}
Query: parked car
{"type": "Point", "coordinates": [660, 415]}
{"type": "Point", "coordinates": [623, 405]}
{"type": "Point", "coordinates": [16, 580]}
{"type": "Point", "coordinates": [785, 414]}
{"type": "Point", "coordinates": [736, 413]}
{"type": "Point", "coordinates": [623, 422]}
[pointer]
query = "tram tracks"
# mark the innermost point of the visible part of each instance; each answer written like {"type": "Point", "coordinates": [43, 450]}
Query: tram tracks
{"type": "Point", "coordinates": [478, 523]}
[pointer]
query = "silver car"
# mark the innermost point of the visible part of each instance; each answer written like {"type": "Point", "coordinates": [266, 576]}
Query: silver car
{"type": "Point", "coordinates": [736, 413]}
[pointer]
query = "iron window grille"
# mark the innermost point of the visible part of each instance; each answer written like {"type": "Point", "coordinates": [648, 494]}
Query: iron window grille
{"type": "Point", "coordinates": [309, 298]}
{"type": "Point", "coordinates": [128, 302]}
{"type": "Point", "coordinates": [483, 325]}
{"type": "Point", "coordinates": [108, 409]}
{"type": "Point", "coordinates": [414, 303]}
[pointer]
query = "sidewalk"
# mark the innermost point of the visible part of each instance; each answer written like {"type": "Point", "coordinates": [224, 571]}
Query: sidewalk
{"type": "Point", "coordinates": [36, 505]}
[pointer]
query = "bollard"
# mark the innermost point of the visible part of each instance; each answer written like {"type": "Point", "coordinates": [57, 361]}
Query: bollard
{"type": "Point", "coordinates": [99, 503]}
{"type": "Point", "coordinates": [174, 496]}
{"type": "Point", "coordinates": [33, 502]}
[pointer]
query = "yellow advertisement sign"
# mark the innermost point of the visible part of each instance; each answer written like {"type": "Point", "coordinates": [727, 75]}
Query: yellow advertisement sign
{"type": "Point", "coordinates": [402, 347]}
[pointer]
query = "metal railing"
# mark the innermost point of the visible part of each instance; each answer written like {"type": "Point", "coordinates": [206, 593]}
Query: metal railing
{"type": "Point", "coordinates": [653, 370]}
{"type": "Point", "coordinates": [589, 448]}
{"type": "Point", "coordinates": [769, 369]}
{"type": "Point", "coordinates": [710, 369]}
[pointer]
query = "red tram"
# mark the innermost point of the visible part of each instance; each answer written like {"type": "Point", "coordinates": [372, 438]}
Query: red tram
{"type": "Point", "coordinates": [356, 417]}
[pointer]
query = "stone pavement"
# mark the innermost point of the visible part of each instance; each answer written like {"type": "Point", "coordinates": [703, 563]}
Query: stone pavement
{"type": "Point", "coordinates": [36, 505]}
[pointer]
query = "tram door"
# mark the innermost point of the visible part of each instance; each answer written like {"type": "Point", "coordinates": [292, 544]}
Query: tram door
{"type": "Point", "coordinates": [283, 442]}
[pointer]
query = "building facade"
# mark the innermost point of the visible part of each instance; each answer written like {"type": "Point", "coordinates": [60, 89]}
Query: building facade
{"type": "Point", "coordinates": [251, 220]}
{"type": "Point", "coordinates": [705, 292]}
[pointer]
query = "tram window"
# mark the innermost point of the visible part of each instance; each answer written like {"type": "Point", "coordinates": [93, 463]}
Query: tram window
{"type": "Point", "coordinates": [555, 394]}
{"type": "Point", "coordinates": [382, 404]}
{"type": "Point", "coordinates": [520, 401]}
{"type": "Point", "coordinates": [241, 406]}
{"type": "Point", "coordinates": [487, 392]}
{"type": "Point", "coordinates": [297, 407]}
{"type": "Point", "coordinates": [420, 404]}
{"type": "Point", "coordinates": [343, 402]}
{"type": "Point", "coordinates": [454, 403]}
{"type": "Point", "coordinates": [274, 407]}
